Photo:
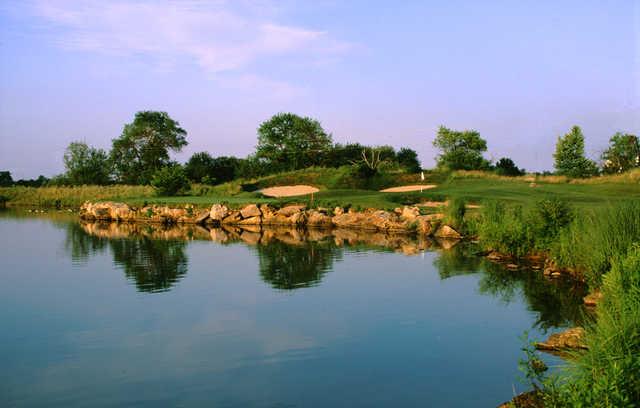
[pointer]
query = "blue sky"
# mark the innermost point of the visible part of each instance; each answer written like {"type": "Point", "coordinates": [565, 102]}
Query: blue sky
{"type": "Point", "coordinates": [520, 72]}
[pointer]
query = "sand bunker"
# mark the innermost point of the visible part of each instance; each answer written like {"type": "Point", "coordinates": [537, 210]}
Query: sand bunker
{"type": "Point", "coordinates": [288, 191]}
{"type": "Point", "coordinates": [404, 189]}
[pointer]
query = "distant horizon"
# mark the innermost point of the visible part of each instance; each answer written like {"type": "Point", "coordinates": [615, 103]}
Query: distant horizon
{"type": "Point", "coordinates": [520, 74]}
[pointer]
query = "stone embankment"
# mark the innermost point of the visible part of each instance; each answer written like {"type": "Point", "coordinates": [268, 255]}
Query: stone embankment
{"type": "Point", "coordinates": [401, 220]}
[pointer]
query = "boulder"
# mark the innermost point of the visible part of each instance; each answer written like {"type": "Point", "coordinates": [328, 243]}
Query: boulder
{"type": "Point", "coordinates": [592, 299]}
{"type": "Point", "coordinates": [233, 217]}
{"type": "Point", "coordinates": [338, 211]}
{"type": "Point", "coordinates": [566, 340]}
{"type": "Point", "coordinates": [352, 220]}
{"type": "Point", "coordinates": [202, 217]}
{"type": "Point", "coordinates": [318, 218]}
{"type": "Point", "coordinates": [290, 210]}
{"type": "Point", "coordinates": [250, 211]}
{"type": "Point", "coordinates": [447, 232]}
{"type": "Point", "coordinates": [250, 221]}
{"type": "Point", "coordinates": [410, 213]}
{"type": "Point", "coordinates": [298, 218]}
{"type": "Point", "coordinates": [424, 226]}
{"type": "Point", "coordinates": [218, 212]}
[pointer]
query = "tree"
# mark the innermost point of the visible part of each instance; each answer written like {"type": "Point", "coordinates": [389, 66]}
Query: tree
{"type": "Point", "coordinates": [460, 150]}
{"type": "Point", "coordinates": [199, 166]}
{"type": "Point", "coordinates": [289, 142]}
{"type": "Point", "coordinates": [170, 180]}
{"type": "Point", "coordinates": [143, 148]}
{"type": "Point", "coordinates": [506, 167]}
{"type": "Point", "coordinates": [86, 165]}
{"type": "Point", "coordinates": [408, 160]}
{"type": "Point", "coordinates": [569, 156]}
{"type": "Point", "coordinates": [224, 168]}
{"type": "Point", "coordinates": [623, 153]}
{"type": "Point", "coordinates": [5, 179]}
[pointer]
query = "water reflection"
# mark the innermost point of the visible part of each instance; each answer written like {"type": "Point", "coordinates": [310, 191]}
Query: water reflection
{"type": "Point", "coordinates": [153, 265]}
{"type": "Point", "coordinates": [154, 257]}
{"type": "Point", "coordinates": [286, 266]}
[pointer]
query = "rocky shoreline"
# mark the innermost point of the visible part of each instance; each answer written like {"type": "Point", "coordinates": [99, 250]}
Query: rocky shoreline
{"type": "Point", "coordinates": [407, 220]}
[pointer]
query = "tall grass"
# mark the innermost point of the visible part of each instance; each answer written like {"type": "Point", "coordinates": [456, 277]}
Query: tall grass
{"type": "Point", "coordinates": [596, 238]}
{"type": "Point", "coordinates": [71, 196]}
{"type": "Point", "coordinates": [608, 373]}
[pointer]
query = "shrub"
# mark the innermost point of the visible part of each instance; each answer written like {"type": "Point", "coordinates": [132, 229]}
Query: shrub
{"type": "Point", "coordinates": [549, 217]}
{"type": "Point", "coordinates": [170, 180]}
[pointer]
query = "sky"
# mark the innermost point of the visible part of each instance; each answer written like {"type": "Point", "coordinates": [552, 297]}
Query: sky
{"type": "Point", "coordinates": [375, 72]}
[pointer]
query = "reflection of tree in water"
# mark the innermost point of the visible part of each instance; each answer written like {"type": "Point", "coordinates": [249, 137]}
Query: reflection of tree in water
{"type": "Point", "coordinates": [286, 266]}
{"type": "Point", "coordinates": [81, 245]}
{"type": "Point", "coordinates": [557, 303]}
{"type": "Point", "coordinates": [155, 265]}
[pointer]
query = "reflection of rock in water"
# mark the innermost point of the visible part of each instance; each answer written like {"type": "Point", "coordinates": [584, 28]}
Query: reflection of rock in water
{"type": "Point", "coordinates": [287, 266]}
{"type": "Point", "coordinates": [290, 258]}
{"type": "Point", "coordinates": [154, 265]}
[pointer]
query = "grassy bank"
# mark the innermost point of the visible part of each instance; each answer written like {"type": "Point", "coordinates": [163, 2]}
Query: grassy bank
{"type": "Point", "coordinates": [341, 187]}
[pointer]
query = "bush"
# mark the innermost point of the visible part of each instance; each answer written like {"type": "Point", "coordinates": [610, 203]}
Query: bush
{"type": "Point", "coordinates": [505, 230]}
{"type": "Point", "coordinates": [506, 167]}
{"type": "Point", "coordinates": [550, 216]}
{"type": "Point", "coordinates": [170, 180]}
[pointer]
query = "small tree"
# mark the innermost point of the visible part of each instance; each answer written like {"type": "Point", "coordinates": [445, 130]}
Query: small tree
{"type": "Point", "coordinates": [5, 179]}
{"type": "Point", "coordinates": [408, 160]}
{"type": "Point", "coordinates": [569, 156]}
{"type": "Point", "coordinates": [289, 142]}
{"type": "Point", "coordinates": [143, 148]}
{"type": "Point", "coordinates": [86, 165]}
{"type": "Point", "coordinates": [460, 150]}
{"type": "Point", "coordinates": [506, 167]}
{"type": "Point", "coordinates": [623, 153]}
{"type": "Point", "coordinates": [170, 180]}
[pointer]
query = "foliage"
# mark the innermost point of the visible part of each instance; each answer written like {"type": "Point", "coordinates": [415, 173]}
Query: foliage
{"type": "Point", "coordinates": [343, 155]}
{"type": "Point", "coordinates": [460, 150]}
{"type": "Point", "coordinates": [532, 367]}
{"type": "Point", "coordinates": [408, 160]}
{"type": "Point", "coordinates": [505, 229]}
{"type": "Point", "coordinates": [73, 196]}
{"type": "Point", "coordinates": [39, 182]}
{"type": "Point", "coordinates": [608, 373]}
{"type": "Point", "coordinates": [506, 167]}
{"type": "Point", "coordinates": [199, 166]}
{"type": "Point", "coordinates": [253, 167]}
{"type": "Point", "coordinates": [289, 142]}
{"type": "Point", "coordinates": [170, 180]}
{"type": "Point", "coordinates": [5, 179]}
{"type": "Point", "coordinates": [595, 238]}
{"type": "Point", "coordinates": [86, 165]}
{"type": "Point", "coordinates": [622, 154]}
{"type": "Point", "coordinates": [569, 156]}
{"type": "Point", "coordinates": [143, 148]}
{"type": "Point", "coordinates": [454, 213]}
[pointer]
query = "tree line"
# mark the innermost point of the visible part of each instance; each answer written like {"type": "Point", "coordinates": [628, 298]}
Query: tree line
{"type": "Point", "coordinates": [142, 155]}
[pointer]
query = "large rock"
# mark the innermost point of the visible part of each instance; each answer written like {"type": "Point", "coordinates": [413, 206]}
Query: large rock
{"type": "Point", "coordinates": [447, 232]}
{"type": "Point", "coordinates": [352, 220]}
{"type": "Point", "coordinates": [250, 221]}
{"type": "Point", "coordinates": [290, 210]}
{"type": "Point", "coordinates": [218, 212]}
{"type": "Point", "coordinates": [250, 211]}
{"type": "Point", "coordinates": [233, 217]}
{"type": "Point", "coordinates": [318, 219]}
{"type": "Point", "coordinates": [410, 213]}
{"type": "Point", "coordinates": [424, 226]}
{"type": "Point", "coordinates": [592, 299]}
{"type": "Point", "coordinates": [202, 217]}
{"type": "Point", "coordinates": [566, 340]}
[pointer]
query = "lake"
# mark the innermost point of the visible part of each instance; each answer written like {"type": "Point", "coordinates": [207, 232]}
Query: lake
{"type": "Point", "coordinates": [121, 315]}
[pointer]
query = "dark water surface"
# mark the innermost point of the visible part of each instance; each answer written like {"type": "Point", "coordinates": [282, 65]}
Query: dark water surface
{"type": "Point", "coordinates": [99, 315]}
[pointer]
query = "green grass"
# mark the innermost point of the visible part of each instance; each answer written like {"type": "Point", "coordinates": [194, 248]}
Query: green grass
{"type": "Point", "coordinates": [338, 187]}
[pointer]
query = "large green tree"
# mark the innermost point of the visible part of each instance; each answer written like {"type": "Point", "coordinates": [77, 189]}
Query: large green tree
{"type": "Point", "coordinates": [569, 156]}
{"type": "Point", "coordinates": [144, 146]}
{"type": "Point", "coordinates": [622, 154]}
{"type": "Point", "coordinates": [408, 160]}
{"type": "Point", "coordinates": [202, 168]}
{"type": "Point", "coordinates": [460, 150]}
{"type": "Point", "coordinates": [5, 179]}
{"type": "Point", "coordinates": [288, 142]}
{"type": "Point", "coordinates": [86, 165]}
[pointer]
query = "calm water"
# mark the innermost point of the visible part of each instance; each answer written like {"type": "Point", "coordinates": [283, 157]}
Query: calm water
{"type": "Point", "coordinates": [100, 315]}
